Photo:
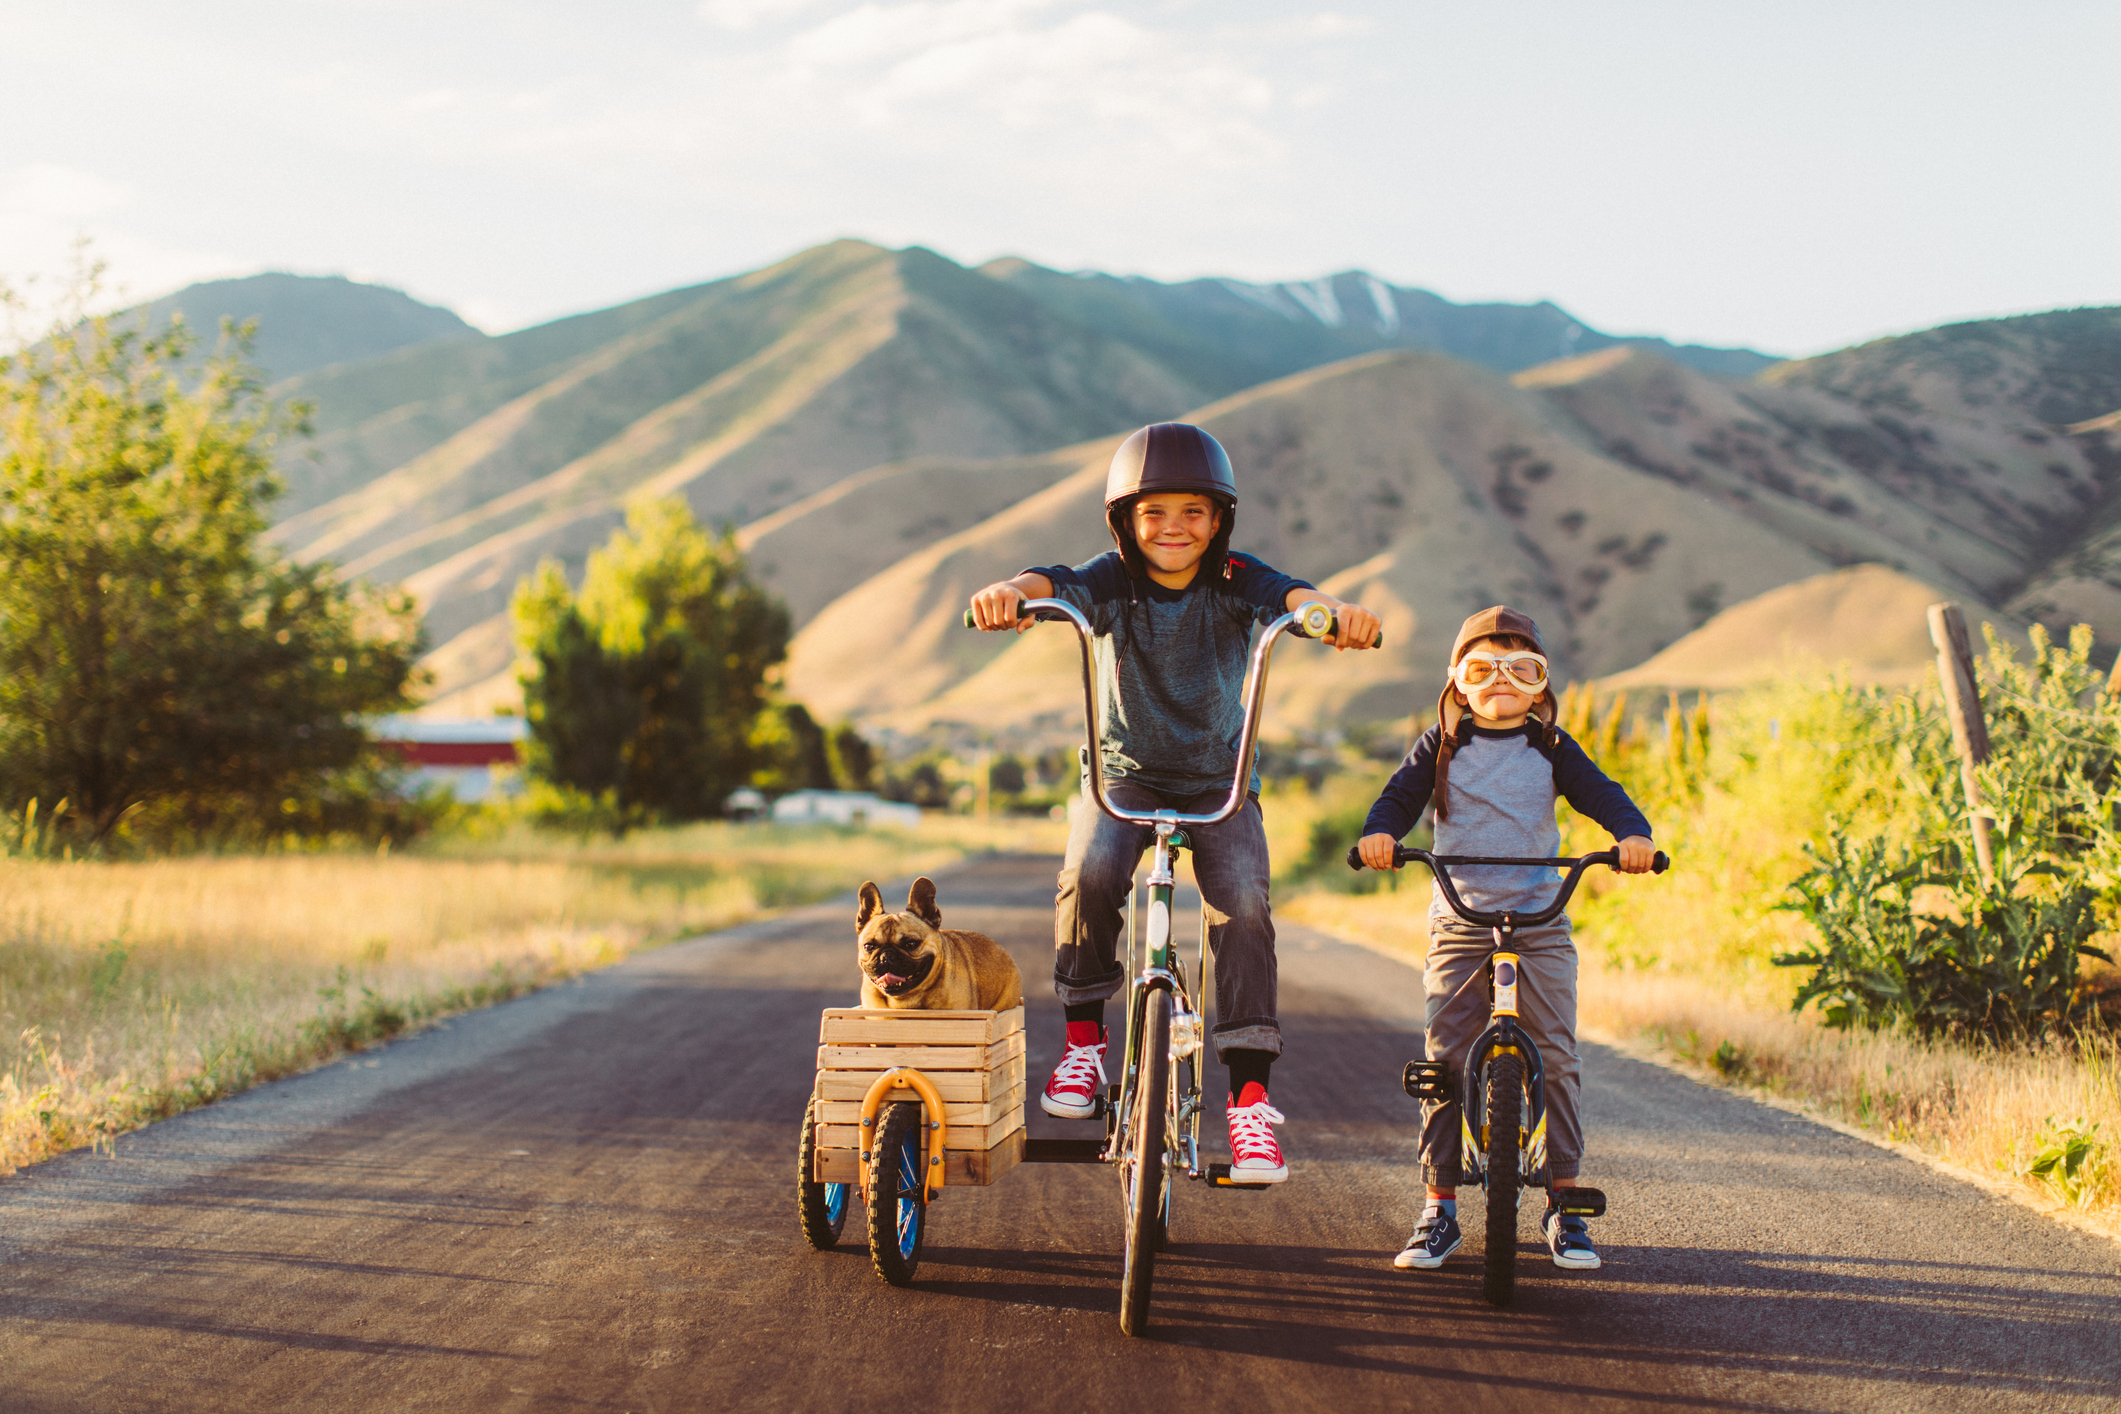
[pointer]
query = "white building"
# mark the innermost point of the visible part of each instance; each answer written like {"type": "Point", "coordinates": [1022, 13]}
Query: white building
{"type": "Point", "coordinates": [842, 807]}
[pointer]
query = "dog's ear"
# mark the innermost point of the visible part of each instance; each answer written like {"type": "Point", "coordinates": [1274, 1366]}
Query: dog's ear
{"type": "Point", "coordinates": [872, 905]}
{"type": "Point", "coordinates": [920, 902]}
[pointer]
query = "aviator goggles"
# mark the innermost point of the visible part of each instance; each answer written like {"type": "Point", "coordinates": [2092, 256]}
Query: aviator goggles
{"type": "Point", "coordinates": [1523, 669]}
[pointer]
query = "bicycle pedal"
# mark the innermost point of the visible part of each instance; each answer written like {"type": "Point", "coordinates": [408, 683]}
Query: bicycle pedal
{"type": "Point", "coordinates": [1427, 1080]}
{"type": "Point", "coordinates": [1219, 1177]}
{"type": "Point", "coordinates": [1580, 1202]}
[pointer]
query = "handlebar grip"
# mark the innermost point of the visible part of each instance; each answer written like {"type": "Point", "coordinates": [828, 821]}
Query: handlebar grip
{"type": "Point", "coordinates": [968, 619]}
{"type": "Point", "coordinates": [1661, 863]}
{"type": "Point", "coordinates": [1355, 856]}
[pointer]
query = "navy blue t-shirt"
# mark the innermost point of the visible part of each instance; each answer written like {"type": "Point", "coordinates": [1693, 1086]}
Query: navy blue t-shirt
{"type": "Point", "coordinates": [1171, 666]}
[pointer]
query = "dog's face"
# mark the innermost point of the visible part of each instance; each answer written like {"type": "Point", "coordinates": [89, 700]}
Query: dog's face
{"type": "Point", "coordinates": [898, 951]}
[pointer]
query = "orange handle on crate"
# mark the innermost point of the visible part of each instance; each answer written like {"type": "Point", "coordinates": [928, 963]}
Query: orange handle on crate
{"type": "Point", "coordinates": [934, 1140]}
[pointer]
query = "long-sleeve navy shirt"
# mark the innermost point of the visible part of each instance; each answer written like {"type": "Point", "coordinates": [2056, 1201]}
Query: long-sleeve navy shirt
{"type": "Point", "coordinates": [1171, 666]}
{"type": "Point", "coordinates": [1503, 786]}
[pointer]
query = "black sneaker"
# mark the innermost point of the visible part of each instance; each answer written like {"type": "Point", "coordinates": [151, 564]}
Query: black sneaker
{"type": "Point", "coordinates": [1436, 1238]}
{"type": "Point", "coordinates": [1569, 1239]}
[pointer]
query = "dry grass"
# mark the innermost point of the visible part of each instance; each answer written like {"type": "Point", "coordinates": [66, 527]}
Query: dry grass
{"type": "Point", "coordinates": [130, 991]}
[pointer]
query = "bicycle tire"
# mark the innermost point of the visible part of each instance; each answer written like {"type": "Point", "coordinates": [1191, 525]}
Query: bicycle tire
{"type": "Point", "coordinates": [822, 1207]}
{"type": "Point", "coordinates": [1505, 1117]}
{"type": "Point", "coordinates": [898, 1193]}
{"type": "Point", "coordinates": [1142, 1185]}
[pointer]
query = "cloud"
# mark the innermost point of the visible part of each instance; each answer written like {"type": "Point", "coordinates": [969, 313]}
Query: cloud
{"type": "Point", "coordinates": [1028, 65]}
{"type": "Point", "coordinates": [46, 210]}
{"type": "Point", "coordinates": [740, 15]}
{"type": "Point", "coordinates": [49, 192]}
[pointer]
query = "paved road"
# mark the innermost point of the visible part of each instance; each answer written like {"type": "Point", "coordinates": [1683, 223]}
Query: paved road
{"type": "Point", "coordinates": [583, 1200]}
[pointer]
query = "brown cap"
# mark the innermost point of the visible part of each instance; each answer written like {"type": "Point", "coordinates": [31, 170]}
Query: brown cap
{"type": "Point", "coordinates": [1492, 623]}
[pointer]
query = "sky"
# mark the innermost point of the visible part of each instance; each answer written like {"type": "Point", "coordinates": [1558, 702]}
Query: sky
{"type": "Point", "coordinates": [1793, 177]}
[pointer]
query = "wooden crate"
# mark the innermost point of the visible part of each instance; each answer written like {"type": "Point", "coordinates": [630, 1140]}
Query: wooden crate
{"type": "Point", "coordinates": [955, 1086]}
{"type": "Point", "coordinates": [975, 1059]}
{"type": "Point", "coordinates": [961, 1167]}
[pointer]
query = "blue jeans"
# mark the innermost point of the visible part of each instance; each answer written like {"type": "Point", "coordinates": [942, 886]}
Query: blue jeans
{"type": "Point", "coordinates": [1230, 866]}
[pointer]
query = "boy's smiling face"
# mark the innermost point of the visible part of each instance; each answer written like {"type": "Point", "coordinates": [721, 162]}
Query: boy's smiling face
{"type": "Point", "coordinates": [1174, 529]}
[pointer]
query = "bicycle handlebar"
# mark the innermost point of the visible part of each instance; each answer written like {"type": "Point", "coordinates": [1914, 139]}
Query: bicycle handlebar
{"type": "Point", "coordinates": [1307, 627]}
{"type": "Point", "coordinates": [1440, 866]}
{"type": "Point", "coordinates": [1301, 620]}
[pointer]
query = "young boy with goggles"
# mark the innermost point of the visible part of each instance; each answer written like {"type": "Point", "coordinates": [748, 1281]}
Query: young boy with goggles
{"type": "Point", "coordinates": [1494, 765]}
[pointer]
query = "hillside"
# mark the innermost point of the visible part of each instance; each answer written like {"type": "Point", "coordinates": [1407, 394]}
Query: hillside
{"type": "Point", "coordinates": [454, 467]}
{"type": "Point", "coordinates": [307, 322]}
{"type": "Point", "coordinates": [1622, 499]}
{"type": "Point", "coordinates": [1423, 485]}
{"type": "Point", "coordinates": [1867, 622]}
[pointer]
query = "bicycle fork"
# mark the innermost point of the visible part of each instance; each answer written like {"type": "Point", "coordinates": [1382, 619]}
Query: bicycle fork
{"type": "Point", "coordinates": [1161, 970]}
{"type": "Point", "coordinates": [1429, 1079]}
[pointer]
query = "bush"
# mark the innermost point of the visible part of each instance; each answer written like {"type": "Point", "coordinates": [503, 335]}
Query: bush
{"type": "Point", "coordinates": [648, 685]}
{"type": "Point", "coordinates": [1999, 961]}
{"type": "Point", "coordinates": [1991, 959]}
{"type": "Point", "coordinates": [160, 665]}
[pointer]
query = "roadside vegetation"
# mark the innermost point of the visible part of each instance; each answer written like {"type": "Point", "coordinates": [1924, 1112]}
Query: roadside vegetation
{"type": "Point", "coordinates": [133, 989]}
{"type": "Point", "coordinates": [1826, 937]}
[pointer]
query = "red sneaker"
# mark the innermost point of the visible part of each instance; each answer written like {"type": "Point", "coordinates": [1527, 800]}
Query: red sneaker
{"type": "Point", "coordinates": [1254, 1156]}
{"type": "Point", "coordinates": [1080, 1078]}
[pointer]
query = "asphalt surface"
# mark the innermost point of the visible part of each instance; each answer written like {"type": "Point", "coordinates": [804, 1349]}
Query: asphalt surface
{"type": "Point", "coordinates": [585, 1200]}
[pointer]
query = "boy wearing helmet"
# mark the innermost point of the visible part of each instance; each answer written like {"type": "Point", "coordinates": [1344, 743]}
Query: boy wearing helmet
{"type": "Point", "coordinates": [1173, 608]}
{"type": "Point", "coordinates": [1494, 764]}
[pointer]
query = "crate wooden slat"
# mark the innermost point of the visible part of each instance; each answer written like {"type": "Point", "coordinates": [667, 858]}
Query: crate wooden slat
{"type": "Point", "coordinates": [961, 1136]}
{"type": "Point", "coordinates": [955, 1086]}
{"type": "Point", "coordinates": [972, 1114]}
{"type": "Point", "coordinates": [855, 1026]}
{"type": "Point", "coordinates": [923, 1058]}
{"type": "Point", "coordinates": [961, 1167]}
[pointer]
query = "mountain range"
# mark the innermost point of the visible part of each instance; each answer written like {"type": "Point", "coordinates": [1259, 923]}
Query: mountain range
{"type": "Point", "coordinates": [890, 430]}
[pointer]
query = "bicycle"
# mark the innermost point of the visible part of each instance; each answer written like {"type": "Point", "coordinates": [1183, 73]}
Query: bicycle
{"type": "Point", "coordinates": [1152, 1113]}
{"type": "Point", "coordinates": [1502, 1108]}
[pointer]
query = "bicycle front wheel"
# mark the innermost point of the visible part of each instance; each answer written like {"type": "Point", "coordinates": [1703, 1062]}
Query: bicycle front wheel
{"type": "Point", "coordinates": [1142, 1166]}
{"type": "Point", "coordinates": [898, 1193]}
{"type": "Point", "coordinates": [1505, 1077]}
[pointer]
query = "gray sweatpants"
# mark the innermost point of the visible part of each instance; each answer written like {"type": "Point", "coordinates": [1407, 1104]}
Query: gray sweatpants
{"type": "Point", "coordinates": [1230, 866]}
{"type": "Point", "coordinates": [1457, 1013]}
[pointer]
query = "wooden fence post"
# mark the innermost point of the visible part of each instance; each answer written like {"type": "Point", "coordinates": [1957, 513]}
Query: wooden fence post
{"type": "Point", "coordinates": [1962, 704]}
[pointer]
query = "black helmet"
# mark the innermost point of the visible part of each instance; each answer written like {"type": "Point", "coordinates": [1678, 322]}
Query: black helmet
{"type": "Point", "coordinates": [1170, 456]}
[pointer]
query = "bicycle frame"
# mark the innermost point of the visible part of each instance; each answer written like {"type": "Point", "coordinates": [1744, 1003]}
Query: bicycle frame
{"type": "Point", "coordinates": [1503, 1035]}
{"type": "Point", "coordinates": [1159, 965]}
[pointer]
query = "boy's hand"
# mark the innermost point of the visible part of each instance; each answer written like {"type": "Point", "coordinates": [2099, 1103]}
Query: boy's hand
{"type": "Point", "coordinates": [1636, 854]}
{"type": "Point", "coordinates": [1353, 625]}
{"type": "Point", "coordinates": [995, 607]}
{"type": "Point", "coordinates": [1376, 851]}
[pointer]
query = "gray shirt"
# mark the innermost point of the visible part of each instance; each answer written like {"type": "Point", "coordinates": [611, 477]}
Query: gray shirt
{"type": "Point", "coordinates": [1503, 787]}
{"type": "Point", "coordinates": [1171, 666]}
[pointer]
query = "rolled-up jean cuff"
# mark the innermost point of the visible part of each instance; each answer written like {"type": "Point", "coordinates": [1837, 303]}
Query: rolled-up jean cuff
{"type": "Point", "coordinates": [1440, 1175]}
{"type": "Point", "coordinates": [1250, 1033]}
{"type": "Point", "coordinates": [1557, 1168]}
{"type": "Point", "coordinates": [1073, 991]}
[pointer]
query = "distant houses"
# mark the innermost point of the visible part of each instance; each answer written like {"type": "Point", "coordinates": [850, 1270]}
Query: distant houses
{"type": "Point", "coordinates": [478, 758]}
{"type": "Point", "coordinates": [461, 753]}
{"type": "Point", "coordinates": [842, 807]}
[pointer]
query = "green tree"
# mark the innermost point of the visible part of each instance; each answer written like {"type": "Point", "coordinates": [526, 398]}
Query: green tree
{"type": "Point", "coordinates": [155, 655]}
{"type": "Point", "coordinates": [645, 688]}
{"type": "Point", "coordinates": [853, 758]}
{"type": "Point", "coordinates": [793, 751]}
